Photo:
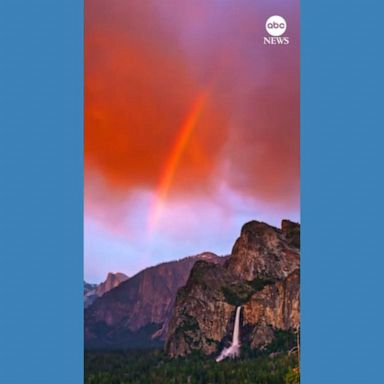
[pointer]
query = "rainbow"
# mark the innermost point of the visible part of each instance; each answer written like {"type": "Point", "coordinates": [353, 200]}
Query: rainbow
{"type": "Point", "coordinates": [179, 146]}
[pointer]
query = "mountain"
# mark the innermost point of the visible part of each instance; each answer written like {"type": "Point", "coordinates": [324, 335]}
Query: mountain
{"type": "Point", "coordinates": [88, 287]}
{"type": "Point", "coordinates": [262, 275]}
{"type": "Point", "coordinates": [89, 293]}
{"type": "Point", "coordinates": [94, 291]}
{"type": "Point", "coordinates": [137, 312]}
{"type": "Point", "coordinates": [112, 281]}
{"type": "Point", "coordinates": [263, 250]}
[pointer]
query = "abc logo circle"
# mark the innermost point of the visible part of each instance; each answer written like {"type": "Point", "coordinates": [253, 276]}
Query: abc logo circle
{"type": "Point", "coordinates": [276, 25]}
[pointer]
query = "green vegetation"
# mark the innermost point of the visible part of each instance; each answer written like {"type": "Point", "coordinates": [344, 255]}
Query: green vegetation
{"type": "Point", "coordinates": [237, 294]}
{"type": "Point", "coordinates": [259, 283]}
{"type": "Point", "coordinates": [292, 376]}
{"type": "Point", "coordinates": [153, 367]}
{"type": "Point", "coordinates": [240, 292]}
{"type": "Point", "coordinates": [283, 341]}
{"type": "Point", "coordinates": [142, 338]}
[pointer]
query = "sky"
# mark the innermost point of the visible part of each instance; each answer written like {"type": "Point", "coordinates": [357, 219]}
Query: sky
{"type": "Point", "coordinates": [191, 128]}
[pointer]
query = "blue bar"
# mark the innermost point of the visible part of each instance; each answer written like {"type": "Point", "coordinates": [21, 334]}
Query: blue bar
{"type": "Point", "coordinates": [41, 192]}
{"type": "Point", "coordinates": [342, 163]}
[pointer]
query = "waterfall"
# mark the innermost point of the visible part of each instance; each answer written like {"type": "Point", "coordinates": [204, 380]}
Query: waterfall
{"type": "Point", "coordinates": [234, 349]}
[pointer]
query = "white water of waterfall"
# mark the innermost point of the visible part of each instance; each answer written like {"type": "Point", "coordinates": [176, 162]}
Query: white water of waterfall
{"type": "Point", "coordinates": [234, 349]}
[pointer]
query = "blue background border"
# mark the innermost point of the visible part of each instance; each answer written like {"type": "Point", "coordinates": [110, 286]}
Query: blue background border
{"type": "Point", "coordinates": [41, 211]}
{"type": "Point", "coordinates": [342, 168]}
{"type": "Point", "coordinates": [41, 192]}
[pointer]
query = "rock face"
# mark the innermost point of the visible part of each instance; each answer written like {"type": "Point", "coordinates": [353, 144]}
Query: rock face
{"type": "Point", "coordinates": [112, 281]}
{"type": "Point", "coordinates": [262, 250]}
{"type": "Point", "coordinates": [276, 305]}
{"type": "Point", "coordinates": [201, 313]}
{"type": "Point", "coordinates": [137, 312]}
{"type": "Point", "coordinates": [262, 275]}
{"type": "Point", "coordinates": [94, 291]}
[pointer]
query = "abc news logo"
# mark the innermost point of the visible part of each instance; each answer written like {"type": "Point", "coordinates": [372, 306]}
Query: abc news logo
{"type": "Point", "coordinates": [276, 26]}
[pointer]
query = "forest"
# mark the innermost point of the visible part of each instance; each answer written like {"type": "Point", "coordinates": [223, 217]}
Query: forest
{"type": "Point", "coordinates": [153, 367]}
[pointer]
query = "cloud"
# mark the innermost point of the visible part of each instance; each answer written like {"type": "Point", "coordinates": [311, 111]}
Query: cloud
{"type": "Point", "coordinates": [146, 63]}
{"type": "Point", "coordinates": [118, 240]}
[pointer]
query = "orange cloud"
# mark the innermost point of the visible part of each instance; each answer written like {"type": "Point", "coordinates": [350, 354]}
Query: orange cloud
{"type": "Point", "coordinates": [146, 63]}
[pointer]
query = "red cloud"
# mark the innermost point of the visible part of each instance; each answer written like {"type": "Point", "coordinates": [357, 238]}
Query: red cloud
{"type": "Point", "coordinates": [146, 63]}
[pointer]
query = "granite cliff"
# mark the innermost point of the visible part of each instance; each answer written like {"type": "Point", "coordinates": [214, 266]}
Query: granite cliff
{"type": "Point", "coordinates": [94, 291]}
{"type": "Point", "coordinates": [262, 275]}
{"type": "Point", "coordinates": [136, 313]}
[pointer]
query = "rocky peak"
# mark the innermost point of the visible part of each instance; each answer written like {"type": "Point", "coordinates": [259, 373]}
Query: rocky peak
{"type": "Point", "coordinates": [94, 291]}
{"type": "Point", "coordinates": [288, 226]}
{"type": "Point", "coordinates": [265, 251]}
{"type": "Point", "coordinates": [291, 231]}
{"type": "Point", "coordinates": [261, 275]}
{"type": "Point", "coordinates": [112, 281]}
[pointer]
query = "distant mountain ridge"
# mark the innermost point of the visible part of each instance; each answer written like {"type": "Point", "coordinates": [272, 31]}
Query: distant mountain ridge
{"type": "Point", "coordinates": [88, 287]}
{"type": "Point", "coordinates": [189, 304]}
{"type": "Point", "coordinates": [94, 291]}
{"type": "Point", "coordinates": [137, 312]}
